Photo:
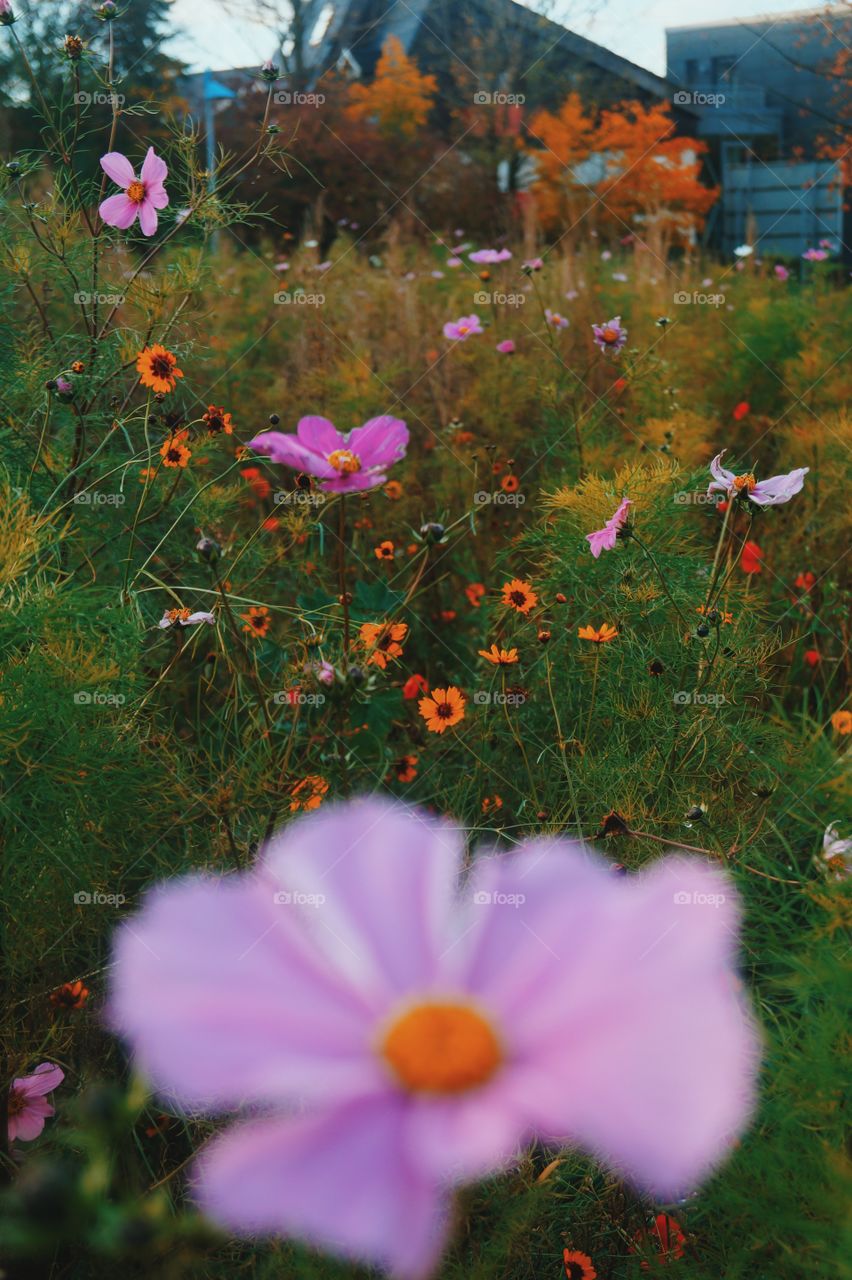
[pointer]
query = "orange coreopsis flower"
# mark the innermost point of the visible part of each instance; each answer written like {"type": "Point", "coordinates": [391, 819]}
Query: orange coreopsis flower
{"type": "Point", "coordinates": [499, 657]}
{"type": "Point", "coordinates": [383, 641]}
{"type": "Point", "coordinates": [71, 995]}
{"type": "Point", "coordinates": [174, 452]}
{"type": "Point", "coordinates": [443, 709]}
{"type": "Point", "coordinates": [474, 592]}
{"type": "Point", "coordinates": [157, 369]}
{"type": "Point", "coordinates": [598, 635]}
{"type": "Point", "coordinates": [405, 768]}
{"type": "Point", "coordinates": [384, 551]}
{"type": "Point", "coordinates": [217, 421]}
{"type": "Point", "coordinates": [841, 722]}
{"type": "Point", "coordinates": [519, 595]}
{"type": "Point", "coordinates": [510, 483]}
{"type": "Point", "coordinates": [393, 490]}
{"type": "Point", "coordinates": [578, 1266]}
{"type": "Point", "coordinates": [256, 621]}
{"type": "Point", "coordinates": [258, 482]}
{"type": "Point", "coordinates": [308, 794]}
{"type": "Point", "coordinates": [492, 803]}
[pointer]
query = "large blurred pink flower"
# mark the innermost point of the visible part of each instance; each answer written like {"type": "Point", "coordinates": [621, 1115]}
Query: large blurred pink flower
{"type": "Point", "coordinates": [765, 493]}
{"type": "Point", "coordinates": [141, 197]}
{"type": "Point", "coordinates": [28, 1105]}
{"type": "Point", "coordinates": [343, 463]}
{"type": "Point", "coordinates": [604, 539]}
{"type": "Point", "coordinates": [404, 1035]}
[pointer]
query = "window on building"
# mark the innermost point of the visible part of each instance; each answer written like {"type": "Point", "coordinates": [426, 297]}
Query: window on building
{"type": "Point", "coordinates": [723, 69]}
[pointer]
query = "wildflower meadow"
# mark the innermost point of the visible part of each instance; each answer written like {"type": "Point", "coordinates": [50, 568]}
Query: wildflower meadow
{"type": "Point", "coordinates": [424, 719]}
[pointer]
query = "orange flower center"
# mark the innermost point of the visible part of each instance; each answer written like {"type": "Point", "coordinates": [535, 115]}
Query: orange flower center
{"type": "Point", "coordinates": [345, 461]}
{"type": "Point", "coordinates": [439, 1047]}
{"type": "Point", "coordinates": [136, 192]}
{"type": "Point", "coordinates": [746, 482]}
{"type": "Point", "coordinates": [610, 335]}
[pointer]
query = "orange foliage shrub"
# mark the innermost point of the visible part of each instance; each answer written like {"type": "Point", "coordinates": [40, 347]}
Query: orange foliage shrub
{"type": "Point", "coordinates": [400, 97]}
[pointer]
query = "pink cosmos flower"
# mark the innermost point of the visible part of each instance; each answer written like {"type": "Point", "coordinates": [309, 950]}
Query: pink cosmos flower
{"type": "Point", "coordinates": [462, 329]}
{"type": "Point", "coordinates": [28, 1105]}
{"type": "Point", "coordinates": [506, 347]}
{"type": "Point", "coordinates": [343, 463]}
{"type": "Point", "coordinates": [532, 264]}
{"type": "Point", "coordinates": [815, 255]}
{"type": "Point", "coordinates": [604, 539]}
{"type": "Point", "coordinates": [781, 272]}
{"type": "Point", "coordinates": [765, 493]}
{"type": "Point", "coordinates": [395, 1035]}
{"type": "Point", "coordinates": [142, 197]}
{"type": "Point", "coordinates": [454, 262]}
{"type": "Point", "coordinates": [610, 337]}
{"type": "Point", "coordinates": [554, 319]}
{"type": "Point", "coordinates": [489, 257]}
{"type": "Point", "coordinates": [185, 618]}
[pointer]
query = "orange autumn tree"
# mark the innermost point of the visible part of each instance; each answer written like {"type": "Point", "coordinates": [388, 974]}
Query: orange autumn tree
{"type": "Point", "coordinates": [400, 97]}
{"type": "Point", "coordinates": [652, 178]}
{"type": "Point", "coordinates": [562, 142]}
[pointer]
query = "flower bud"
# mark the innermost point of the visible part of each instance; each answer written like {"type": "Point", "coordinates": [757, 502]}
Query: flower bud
{"type": "Point", "coordinates": [208, 549]}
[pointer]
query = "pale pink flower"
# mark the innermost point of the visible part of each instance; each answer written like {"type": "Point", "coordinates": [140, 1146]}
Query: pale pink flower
{"type": "Point", "coordinates": [142, 196]}
{"type": "Point", "coordinates": [454, 262]}
{"type": "Point", "coordinates": [489, 257]}
{"type": "Point", "coordinates": [342, 463]}
{"type": "Point", "coordinates": [781, 272]}
{"type": "Point", "coordinates": [554, 319]}
{"type": "Point", "coordinates": [393, 1034]}
{"type": "Point", "coordinates": [174, 617]}
{"type": "Point", "coordinates": [815, 255]}
{"type": "Point", "coordinates": [604, 539]}
{"type": "Point", "coordinates": [532, 264]}
{"type": "Point", "coordinates": [28, 1105]}
{"type": "Point", "coordinates": [765, 493]}
{"type": "Point", "coordinates": [462, 329]}
{"type": "Point", "coordinates": [611, 337]}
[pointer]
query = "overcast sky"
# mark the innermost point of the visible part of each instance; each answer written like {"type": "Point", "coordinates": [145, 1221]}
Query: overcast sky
{"type": "Point", "coordinates": [633, 28]}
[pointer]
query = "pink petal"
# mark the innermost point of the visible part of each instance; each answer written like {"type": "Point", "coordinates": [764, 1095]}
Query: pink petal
{"type": "Point", "coordinates": [46, 1077]}
{"type": "Point", "coordinates": [119, 168]}
{"type": "Point", "coordinates": [158, 196]}
{"type": "Point", "coordinates": [154, 169]}
{"type": "Point", "coordinates": [287, 450]}
{"type": "Point", "coordinates": [723, 479]}
{"type": "Point", "coordinates": [380, 441]}
{"type": "Point", "coordinates": [147, 218]}
{"type": "Point", "coordinates": [223, 999]}
{"type": "Point", "coordinates": [319, 435]}
{"type": "Point", "coordinates": [354, 482]}
{"type": "Point", "coordinates": [29, 1123]}
{"type": "Point", "coordinates": [778, 489]}
{"type": "Point", "coordinates": [119, 211]}
{"type": "Point", "coordinates": [341, 1181]}
{"type": "Point", "coordinates": [601, 540]}
{"type": "Point", "coordinates": [386, 876]}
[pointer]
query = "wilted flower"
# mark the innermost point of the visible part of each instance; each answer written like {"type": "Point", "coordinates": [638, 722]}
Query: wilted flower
{"type": "Point", "coordinates": [403, 1052]}
{"type": "Point", "coordinates": [185, 618]}
{"type": "Point", "coordinates": [611, 337]}
{"type": "Point", "coordinates": [142, 197]}
{"type": "Point", "coordinates": [28, 1105]}
{"type": "Point", "coordinates": [7, 14]}
{"type": "Point", "coordinates": [836, 854]}
{"type": "Point", "coordinates": [343, 463]}
{"type": "Point", "coordinates": [765, 493]}
{"type": "Point", "coordinates": [604, 539]}
{"type": "Point", "coordinates": [73, 47]}
{"type": "Point", "coordinates": [465, 327]}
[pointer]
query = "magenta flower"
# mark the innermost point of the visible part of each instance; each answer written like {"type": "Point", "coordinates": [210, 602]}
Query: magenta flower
{"type": "Point", "coordinates": [532, 264]}
{"type": "Point", "coordinates": [604, 539]}
{"type": "Point", "coordinates": [610, 337]}
{"type": "Point", "coordinates": [489, 257]}
{"type": "Point", "coordinates": [395, 1035]}
{"type": "Point", "coordinates": [343, 463]}
{"type": "Point", "coordinates": [28, 1105]}
{"type": "Point", "coordinates": [815, 255]}
{"type": "Point", "coordinates": [462, 329]}
{"type": "Point", "coordinates": [765, 493]}
{"type": "Point", "coordinates": [781, 272]}
{"type": "Point", "coordinates": [142, 196]}
{"type": "Point", "coordinates": [506, 347]}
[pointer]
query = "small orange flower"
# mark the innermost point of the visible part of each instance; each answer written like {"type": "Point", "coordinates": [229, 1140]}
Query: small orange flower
{"type": "Point", "coordinates": [578, 1266]}
{"type": "Point", "coordinates": [443, 709]}
{"type": "Point", "coordinates": [414, 686]}
{"type": "Point", "coordinates": [308, 794]}
{"type": "Point", "coordinates": [405, 768]}
{"type": "Point", "coordinates": [217, 421]}
{"type": "Point", "coordinates": [492, 803]}
{"type": "Point", "coordinates": [519, 595]}
{"type": "Point", "coordinates": [71, 995]}
{"type": "Point", "coordinates": [474, 592]}
{"type": "Point", "coordinates": [256, 621]}
{"type": "Point", "coordinates": [147, 473]}
{"type": "Point", "coordinates": [174, 452]}
{"type": "Point", "coordinates": [841, 722]}
{"type": "Point", "coordinates": [383, 640]}
{"type": "Point", "coordinates": [157, 369]}
{"type": "Point", "coordinates": [270, 524]}
{"type": "Point", "coordinates": [384, 551]}
{"type": "Point", "coordinates": [598, 636]}
{"type": "Point", "coordinates": [499, 657]}
{"type": "Point", "coordinates": [258, 482]}
{"type": "Point", "coordinates": [393, 490]}
{"type": "Point", "coordinates": [510, 483]}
